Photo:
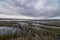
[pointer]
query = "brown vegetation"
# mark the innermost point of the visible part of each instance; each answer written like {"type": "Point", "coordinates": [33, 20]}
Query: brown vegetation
{"type": "Point", "coordinates": [30, 33]}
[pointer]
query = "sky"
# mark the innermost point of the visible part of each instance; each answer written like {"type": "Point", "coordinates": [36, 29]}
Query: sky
{"type": "Point", "coordinates": [30, 9]}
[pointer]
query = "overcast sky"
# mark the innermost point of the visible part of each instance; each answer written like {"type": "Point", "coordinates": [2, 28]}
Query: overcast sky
{"type": "Point", "coordinates": [29, 8]}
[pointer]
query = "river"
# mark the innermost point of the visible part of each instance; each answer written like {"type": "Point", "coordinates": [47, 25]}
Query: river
{"type": "Point", "coordinates": [4, 30]}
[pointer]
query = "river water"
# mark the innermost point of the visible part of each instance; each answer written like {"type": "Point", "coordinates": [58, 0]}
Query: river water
{"type": "Point", "coordinates": [4, 30]}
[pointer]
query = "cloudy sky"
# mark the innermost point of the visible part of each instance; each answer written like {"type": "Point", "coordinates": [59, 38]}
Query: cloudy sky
{"type": "Point", "coordinates": [29, 8]}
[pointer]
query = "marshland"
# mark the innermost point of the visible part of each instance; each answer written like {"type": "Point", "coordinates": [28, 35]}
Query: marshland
{"type": "Point", "coordinates": [30, 30]}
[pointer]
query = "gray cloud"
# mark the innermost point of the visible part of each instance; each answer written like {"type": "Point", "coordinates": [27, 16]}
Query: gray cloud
{"type": "Point", "coordinates": [33, 8]}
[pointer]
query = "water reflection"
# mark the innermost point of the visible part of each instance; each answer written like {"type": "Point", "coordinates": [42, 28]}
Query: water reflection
{"type": "Point", "coordinates": [8, 30]}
